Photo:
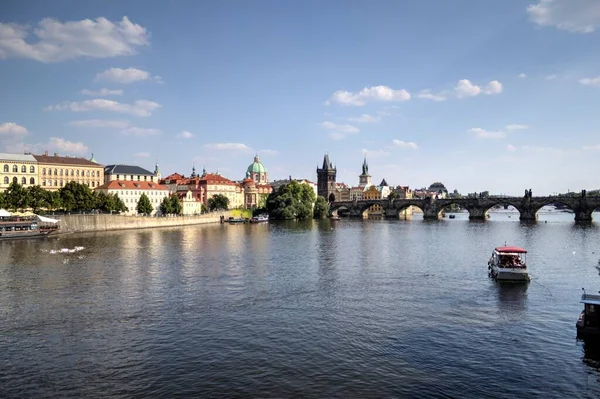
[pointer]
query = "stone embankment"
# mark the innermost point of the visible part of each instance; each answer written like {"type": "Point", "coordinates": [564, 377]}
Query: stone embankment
{"type": "Point", "coordinates": [75, 223]}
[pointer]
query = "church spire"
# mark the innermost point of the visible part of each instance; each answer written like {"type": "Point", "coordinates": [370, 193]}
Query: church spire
{"type": "Point", "coordinates": [365, 167]}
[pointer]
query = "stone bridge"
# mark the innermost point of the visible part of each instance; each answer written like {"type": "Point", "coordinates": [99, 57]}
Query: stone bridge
{"type": "Point", "coordinates": [528, 206]}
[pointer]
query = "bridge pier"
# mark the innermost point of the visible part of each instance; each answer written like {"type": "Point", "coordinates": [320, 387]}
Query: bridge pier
{"type": "Point", "coordinates": [528, 215]}
{"type": "Point", "coordinates": [583, 215]}
{"type": "Point", "coordinates": [477, 214]}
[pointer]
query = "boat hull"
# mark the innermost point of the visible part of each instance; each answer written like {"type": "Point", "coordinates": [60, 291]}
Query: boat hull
{"type": "Point", "coordinates": [502, 274]}
{"type": "Point", "coordinates": [19, 235]}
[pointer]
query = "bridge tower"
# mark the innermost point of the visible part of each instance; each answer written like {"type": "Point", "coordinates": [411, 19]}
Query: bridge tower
{"type": "Point", "coordinates": [326, 180]}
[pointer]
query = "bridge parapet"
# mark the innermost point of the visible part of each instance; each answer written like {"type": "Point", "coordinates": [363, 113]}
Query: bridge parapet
{"type": "Point", "coordinates": [528, 206]}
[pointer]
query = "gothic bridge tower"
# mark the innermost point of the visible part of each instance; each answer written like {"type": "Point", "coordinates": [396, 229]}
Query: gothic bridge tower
{"type": "Point", "coordinates": [326, 180]}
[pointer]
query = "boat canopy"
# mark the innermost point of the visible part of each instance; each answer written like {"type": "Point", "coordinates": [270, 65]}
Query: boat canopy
{"type": "Point", "coordinates": [45, 219]}
{"type": "Point", "coordinates": [514, 250]}
{"type": "Point", "coordinates": [4, 213]}
{"type": "Point", "coordinates": [590, 299]}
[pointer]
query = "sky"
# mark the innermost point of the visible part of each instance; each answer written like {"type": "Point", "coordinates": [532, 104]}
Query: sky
{"type": "Point", "coordinates": [496, 95]}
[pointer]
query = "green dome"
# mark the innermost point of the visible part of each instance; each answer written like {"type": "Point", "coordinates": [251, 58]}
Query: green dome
{"type": "Point", "coordinates": [256, 167]}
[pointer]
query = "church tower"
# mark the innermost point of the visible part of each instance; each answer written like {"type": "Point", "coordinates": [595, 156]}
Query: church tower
{"type": "Point", "coordinates": [365, 177]}
{"type": "Point", "coordinates": [326, 180]}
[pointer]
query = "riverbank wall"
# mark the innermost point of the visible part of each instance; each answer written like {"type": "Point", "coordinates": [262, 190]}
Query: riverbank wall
{"type": "Point", "coordinates": [76, 223]}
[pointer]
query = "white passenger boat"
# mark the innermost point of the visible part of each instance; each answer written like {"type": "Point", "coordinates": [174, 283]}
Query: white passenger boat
{"type": "Point", "coordinates": [508, 263]}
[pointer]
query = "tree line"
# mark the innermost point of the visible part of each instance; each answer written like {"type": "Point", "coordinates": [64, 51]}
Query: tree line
{"type": "Point", "coordinates": [72, 197]}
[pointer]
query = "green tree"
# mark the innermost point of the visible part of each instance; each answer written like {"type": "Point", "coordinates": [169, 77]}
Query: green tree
{"type": "Point", "coordinates": [144, 205]}
{"type": "Point", "coordinates": [203, 208]}
{"type": "Point", "coordinates": [171, 205]}
{"type": "Point", "coordinates": [176, 206]}
{"type": "Point", "coordinates": [321, 210]}
{"type": "Point", "coordinates": [165, 206]}
{"type": "Point", "coordinates": [218, 202]}
{"type": "Point", "coordinates": [38, 197]}
{"type": "Point", "coordinates": [119, 205]}
{"type": "Point", "coordinates": [16, 197]}
{"type": "Point", "coordinates": [3, 203]}
{"type": "Point", "coordinates": [53, 200]}
{"type": "Point", "coordinates": [77, 197]}
{"type": "Point", "coordinates": [291, 201]}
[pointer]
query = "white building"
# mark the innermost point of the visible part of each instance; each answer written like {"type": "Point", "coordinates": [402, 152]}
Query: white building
{"type": "Point", "coordinates": [131, 191]}
{"type": "Point", "coordinates": [130, 173]}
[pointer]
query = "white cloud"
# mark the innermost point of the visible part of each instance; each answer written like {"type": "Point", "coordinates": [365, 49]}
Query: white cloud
{"type": "Point", "coordinates": [465, 88]}
{"type": "Point", "coordinates": [590, 81]}
{"type": "Point", "coordinates": [428, 95]}
{"type": "Point", "coordinates": [140, 132]}
{"type": "Point", "coordinates": [591, 147]}
{"type": "Point", "coordinates": [511, 148]}
{"type": "Point", "coordinates": [137, 108]}
{"type": "Point", "coordinates": [486, 134]}
{"type": "Point", "coordinates": [142, 154]}
{"type": "Point", "coordinates": [340, 128]}
{"type": "Point", "coordinates": [11, 129]}
{"type": "Point", "coordinates": [56, 41]}
{"type": "Point", "coordinates": [339, 132]}
{"type": "Point", "coordinates": [373, 93]}
{"type": "Point", "coordinates": [551, 77]}
{"type": "Point", "coordinates": [405, 144]}
{"type": "Point", "coordinates": [62, 145]}
{"type": "Point", "coordinates": [522, 75]}
{"type": "Point", "coordinates": [514, 127]}
{"type": "Point", "coordinates": [185, 135]}
{"type": "Point", "coordinates": [577, 16]}
{"type": "Point", "coordinates": [227, 146]}
{"type": "Point", "coordinates": [102, 92]}
{"type": "Point", "coordinates": [365, 118]}
{"type": "Point", "coordinates": [124, 76]}
{"type": "Point", "coordinates": [100, 123]}
{"type": "Point", "coordinates": [268, 152]}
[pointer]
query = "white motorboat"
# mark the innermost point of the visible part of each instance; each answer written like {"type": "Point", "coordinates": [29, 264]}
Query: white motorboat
{"type": "Point", "coordinates": [508, 263]}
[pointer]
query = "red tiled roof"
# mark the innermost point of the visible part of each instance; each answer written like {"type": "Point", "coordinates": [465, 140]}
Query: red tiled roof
{"type": "Point", "coordinates": [174, 176]}
{"type": "Point", "coordinates": [218, 179]}
{"type": "Point", "coordinates": [131, 185]}
{"type": "Point", "coordinates": [51, 159]}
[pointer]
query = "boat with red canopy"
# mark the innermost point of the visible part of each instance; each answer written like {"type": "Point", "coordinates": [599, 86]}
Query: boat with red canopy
{"type": "Point", "coordinates": [508, 263]}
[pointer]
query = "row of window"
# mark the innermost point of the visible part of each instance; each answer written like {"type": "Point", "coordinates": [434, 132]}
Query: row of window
{"type": "Point", "coordinates": [138, 178]}
{"type": "Point", "coordinates": [62, 183]}
{"type": "Point", "coordinates": [149, 193]}
{"type": "Point", "coordinates": [135, 201]}
{"type": "Point", "coordinates": [66, 172]}
{"type": "Point", "coordinates": [16, 180]}
{"type": "Point", "coordinates": [15, 169]}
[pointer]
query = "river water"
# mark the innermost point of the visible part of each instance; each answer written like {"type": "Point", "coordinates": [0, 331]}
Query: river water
{"type": "Point", "coordinates": [314, 309]}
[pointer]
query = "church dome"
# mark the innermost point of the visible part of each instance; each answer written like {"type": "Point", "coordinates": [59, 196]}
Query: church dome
{"type": "Point", "coordinates": [256, 166]}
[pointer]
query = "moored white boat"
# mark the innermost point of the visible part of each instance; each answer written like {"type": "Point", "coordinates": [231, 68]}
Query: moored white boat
{"type": "Point", "coordinates": [508, 263]}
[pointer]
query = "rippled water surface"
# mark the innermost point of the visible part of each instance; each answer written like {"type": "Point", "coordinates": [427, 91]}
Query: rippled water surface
{"type": "Point", "coordinates": [315, 309]}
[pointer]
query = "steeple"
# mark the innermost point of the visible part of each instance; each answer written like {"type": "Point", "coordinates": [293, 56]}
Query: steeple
{"type": "Point", "coordinates": [156, 171]}
{"type": "Point", "coordinates": [193, 170]}
{"type": "Point", "coordinates": [365, 168]}
{"type": "Point", "coordinates": [364, 180]}
{"type": "Point", "coordinates": [326, 163]}
{"type": "Point", "coordinates": [92, 159]}
{"type": "Point", "coordinates": [203, 170]}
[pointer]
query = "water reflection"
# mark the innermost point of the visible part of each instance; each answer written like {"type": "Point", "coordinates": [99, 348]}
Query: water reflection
{"type": "Point", "coordinates": [591, 353]}
{"type": "Point", "coordinates": [511, 299]}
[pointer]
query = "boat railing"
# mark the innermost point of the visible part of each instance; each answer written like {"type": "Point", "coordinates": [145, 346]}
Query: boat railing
{"type": "Point", "coordinates": [590, 297]}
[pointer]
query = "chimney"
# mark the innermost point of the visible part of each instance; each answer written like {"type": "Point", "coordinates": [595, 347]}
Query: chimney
{"type": "Point", "coordinates": [46, 153]}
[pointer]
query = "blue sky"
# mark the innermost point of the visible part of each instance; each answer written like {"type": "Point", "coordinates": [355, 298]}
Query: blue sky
{"type": "Point", "coordinates": [479, 94]}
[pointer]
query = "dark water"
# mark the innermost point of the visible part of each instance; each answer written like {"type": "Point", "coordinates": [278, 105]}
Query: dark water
{"type": "Point", "coordinates": [316, 309]}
